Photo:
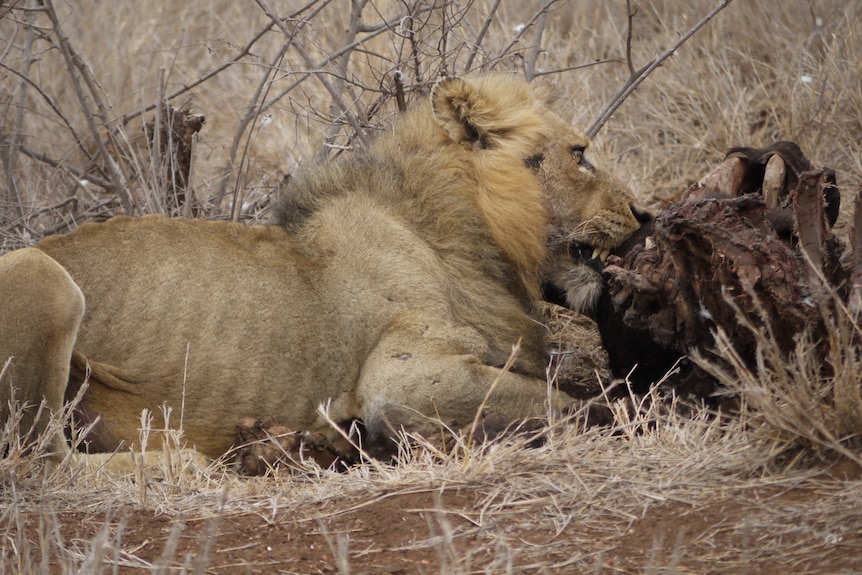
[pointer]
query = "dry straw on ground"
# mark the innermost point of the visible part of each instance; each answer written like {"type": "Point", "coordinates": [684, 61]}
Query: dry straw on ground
{"type": "Point", "coordinates": [775, 487]}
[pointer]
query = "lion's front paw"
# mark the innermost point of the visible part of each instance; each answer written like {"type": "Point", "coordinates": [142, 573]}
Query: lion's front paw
{"type": "Point", "coordinates": [263, 445]}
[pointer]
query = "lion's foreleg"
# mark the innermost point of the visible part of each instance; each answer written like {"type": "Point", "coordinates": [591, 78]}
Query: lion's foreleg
{"type": "Point", "coordinates": [42, 310]}
{"type": "Point", "coordinates": [433, 394]}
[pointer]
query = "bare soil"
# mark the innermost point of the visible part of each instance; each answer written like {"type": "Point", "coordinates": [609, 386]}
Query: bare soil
{"type": "Point", "coordinates": [443, 530]}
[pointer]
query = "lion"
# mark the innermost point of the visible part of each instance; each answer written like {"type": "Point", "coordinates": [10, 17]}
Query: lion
{"type": "Point", "coordinates": [390, 288]}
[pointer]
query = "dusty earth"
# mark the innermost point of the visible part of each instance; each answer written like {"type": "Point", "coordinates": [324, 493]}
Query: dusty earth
{"type": "Point", "coordinates": [443, 531]}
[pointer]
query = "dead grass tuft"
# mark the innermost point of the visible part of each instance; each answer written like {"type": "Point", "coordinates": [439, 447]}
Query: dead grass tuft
{"type": "Point", "coordinates": [808, 403]}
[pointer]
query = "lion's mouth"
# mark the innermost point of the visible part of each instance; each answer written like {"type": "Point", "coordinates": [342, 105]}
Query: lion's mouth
{"type": "Point", "coordinates": [590, 255]}
{"type": "Point", "coordinates": [596, 257]}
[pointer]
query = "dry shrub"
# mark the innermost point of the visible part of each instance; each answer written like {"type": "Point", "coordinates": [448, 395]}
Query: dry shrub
{"type": "Point", "coordinates": [805, 403]}
{"type": "Point", "coordinates": [760, 72]}
{"type": "Point", "coordinates": [773, 70]}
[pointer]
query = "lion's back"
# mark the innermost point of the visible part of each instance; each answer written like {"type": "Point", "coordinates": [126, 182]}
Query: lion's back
{"type": "Point", "coordinates": [161, 283]}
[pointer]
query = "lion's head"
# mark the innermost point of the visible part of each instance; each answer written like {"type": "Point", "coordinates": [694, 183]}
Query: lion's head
{"type": "Point", "coordinates": [495, 142]}
{"type": "Point", "coordinates": [511, 125]}
{"type": "Point", "coordinates": [591, 213]}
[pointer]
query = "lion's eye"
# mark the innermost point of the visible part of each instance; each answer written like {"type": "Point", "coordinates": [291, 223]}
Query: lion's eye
{"type": "Point", "coordinates": [578, 156]}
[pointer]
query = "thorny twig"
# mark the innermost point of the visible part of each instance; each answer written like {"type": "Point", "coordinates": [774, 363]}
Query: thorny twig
{"type": "Point", "coordinates": [641, 74]}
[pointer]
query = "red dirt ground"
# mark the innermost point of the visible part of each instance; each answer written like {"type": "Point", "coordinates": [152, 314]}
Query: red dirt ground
{"type": "Point", "coordinates": [399, 533]}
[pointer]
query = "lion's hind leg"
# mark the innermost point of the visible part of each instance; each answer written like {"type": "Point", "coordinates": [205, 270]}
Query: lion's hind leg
{"type": "Point", "coordinates": [41, 311]}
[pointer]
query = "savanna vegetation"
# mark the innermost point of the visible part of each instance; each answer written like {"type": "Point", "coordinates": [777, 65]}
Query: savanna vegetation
{"type": "Point", "coordinates": [665, 87]}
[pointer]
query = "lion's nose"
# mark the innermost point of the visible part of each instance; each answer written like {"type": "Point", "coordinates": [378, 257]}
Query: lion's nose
{"type": "Point", "coordinates": [642, 216]}
{"type": "Point", "coordinates": [638, 236]}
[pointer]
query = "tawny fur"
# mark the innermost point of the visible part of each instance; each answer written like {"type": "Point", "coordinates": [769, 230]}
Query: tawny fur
{"type": "Point", "coordinates": [392, 288]}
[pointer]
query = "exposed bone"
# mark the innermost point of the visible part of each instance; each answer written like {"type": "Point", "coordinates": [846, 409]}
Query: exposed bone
{"type": "Point", "coordinates": [723, 181]}
{"type": "Point", "coordinates": [810, 221]}
{"type": "Point", "coordinates": [773, 180]}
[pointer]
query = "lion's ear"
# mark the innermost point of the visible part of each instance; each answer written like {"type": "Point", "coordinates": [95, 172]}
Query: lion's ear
{"type": "Point", "coordinates": [459, 107]}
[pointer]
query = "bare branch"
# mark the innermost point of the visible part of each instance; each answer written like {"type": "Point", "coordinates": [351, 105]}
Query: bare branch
{"type": "Point", "coordinates": [7, 7]}
{"type": "Point", "coordinates": [640, 75]}
{"type": "Point", "coordinates": [54, 108]}
{"type": "Point", "coordinates": [54, 163]}
{"type": "Point", "coordinates": [398, 80]}
{"type": "Point", "coordinates": [336, 96]}
{"type": "Point", "coordinates": [855, 303]}
{"type": "Point", "coordinates": [156, 149]}
{"type": "Point", "coordinates": [481, 36]}
{"type": "Point", "coordinates": [244, 51]}
{"type": "Point", "coordinates": [336, 107]}
{"type": "Point", "coordinates": [10, 153]}
{"type": "Point", "coordinates": [75, 64]}
{"type": "Point", "coordinates": [576, 67]}
{"type": "Point", "coordinates": [530, 66]}
{"type": "Point", "coordinates": [252, 112]}
{"type": "Point", "coordinates": [629, 33]}
{"type": "Point", "coordinates": [255, 107]}
{"type": "Point", "coordinates": [317, 69]}
{"type": "Point", "coordinates": [414, 45]}
{"type": "Point", "coordinates": [526, 26]}
{"type": "Point", "coordinates": [444, 35]}
{"type": "Point", "coordinates": [69, 224]}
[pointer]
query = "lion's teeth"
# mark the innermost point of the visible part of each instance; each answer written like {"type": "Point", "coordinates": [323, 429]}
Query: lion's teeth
{"type": "Point", "coordinates": [602, 254]}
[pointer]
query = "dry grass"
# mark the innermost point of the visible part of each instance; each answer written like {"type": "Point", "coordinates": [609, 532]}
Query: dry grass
{"type": "Point", "coordinates": [761, 71]}
{"type": "Point", "coordinates": [569, 505]}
